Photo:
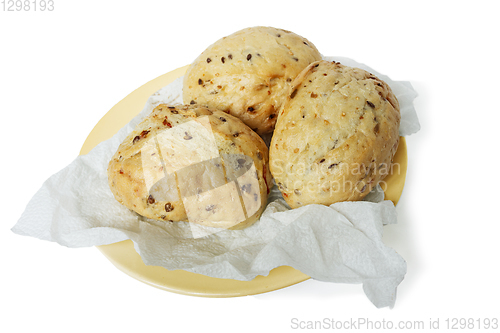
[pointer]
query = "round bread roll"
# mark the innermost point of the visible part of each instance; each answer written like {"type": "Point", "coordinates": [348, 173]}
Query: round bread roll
{"type": "Point", "coordinates": [189, 163]}
{"type": "Point", "coordinates": [248, 73]}
{"type": "Point", "coordinates": [335, 136]}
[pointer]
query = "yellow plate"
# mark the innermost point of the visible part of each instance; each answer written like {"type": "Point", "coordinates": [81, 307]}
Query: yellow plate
{"type": "Point", "coordinates": [123, 254]}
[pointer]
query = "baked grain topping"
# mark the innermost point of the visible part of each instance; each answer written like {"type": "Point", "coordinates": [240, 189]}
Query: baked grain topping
{"type": "Point", "coordinates": [137, 138]}
{"type": "Point", "coordinates": [246, 188]}
{"type": "Point", "coordinates": [151, 200]}
{"type": "Point", "coordinates": [208, 60]}
{"type": "Point", "coordinates": [249, 56]}
{"type": "Point", "coordinates": [169, 207]}
{"type": "Point", "coordinates": [370, 104]}
{"type": "Point", "coordinates": [200, 82]}
{"type": "Point", "coordinates": [223, 59]}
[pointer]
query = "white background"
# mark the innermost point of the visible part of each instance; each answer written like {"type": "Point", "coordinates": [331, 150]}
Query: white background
{"type": "Point", "coordinates": [61, 71]}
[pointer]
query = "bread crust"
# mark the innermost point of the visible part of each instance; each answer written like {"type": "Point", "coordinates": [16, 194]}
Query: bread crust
{"type": "Point", "coordinates": [248, 73]}
{"type": "Point", "coordinates": [335, 136]}
{"type": "Point", "coordinates": [190, 163]}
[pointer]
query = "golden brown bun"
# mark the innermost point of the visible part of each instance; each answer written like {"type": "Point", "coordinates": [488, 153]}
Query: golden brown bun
{"type": "Point", "coordinates": [248, 73]}
{"type": "Point", "coordinates": [335, 136]}
{"type": "Point", "coordinates": [189, 163]}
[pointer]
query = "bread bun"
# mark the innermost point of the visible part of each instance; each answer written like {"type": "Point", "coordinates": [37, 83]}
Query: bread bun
{"type": "Point", "coordinates": [335, 136]}
{"type": "Point", "coordinates": [190, 163]}
{"type": "Point", "coordinates": [248, 73]}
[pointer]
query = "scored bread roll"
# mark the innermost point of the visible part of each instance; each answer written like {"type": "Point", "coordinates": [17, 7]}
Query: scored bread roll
{"type": "Point", "coordinates": [248, 73]}
{"type": "Point", "coordinates": [189, 163]}
{"type": "Point", "coordinates": [335, 136]}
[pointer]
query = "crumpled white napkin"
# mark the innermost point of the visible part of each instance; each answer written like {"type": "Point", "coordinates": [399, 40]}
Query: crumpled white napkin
{"type": "Point", "coordinates": [340, 243]}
